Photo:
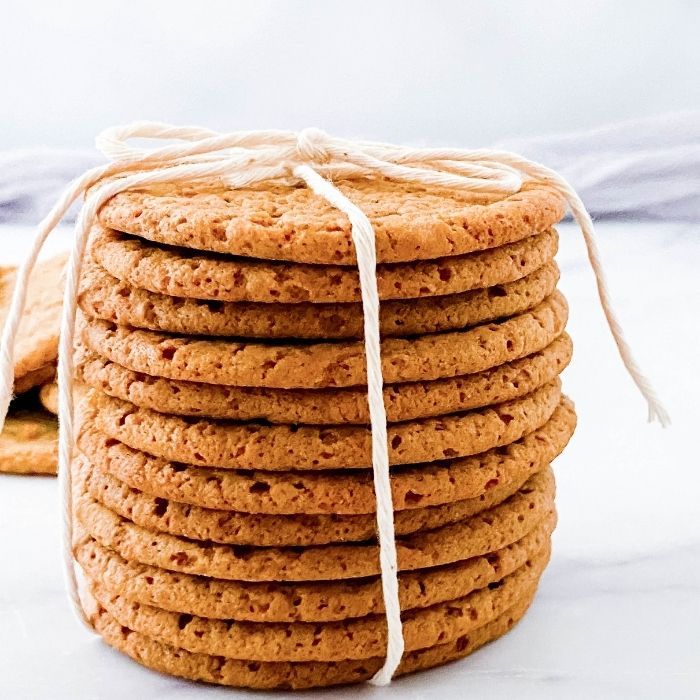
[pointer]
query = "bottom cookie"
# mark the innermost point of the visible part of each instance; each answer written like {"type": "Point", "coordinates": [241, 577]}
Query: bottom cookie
{"type": "Point", "coordinates": [29, 443]}
{"type": "Point", "coordinates": [288, 675]}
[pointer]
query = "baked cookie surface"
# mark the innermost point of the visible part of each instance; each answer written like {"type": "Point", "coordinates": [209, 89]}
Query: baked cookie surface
{"type": "Point", "coordinates": [411, 222]}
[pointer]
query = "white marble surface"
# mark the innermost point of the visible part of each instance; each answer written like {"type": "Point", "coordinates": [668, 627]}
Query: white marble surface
{"type": "Point", "coordinates": [618, 612]}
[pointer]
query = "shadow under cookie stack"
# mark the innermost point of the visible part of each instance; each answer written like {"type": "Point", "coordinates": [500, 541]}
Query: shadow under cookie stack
{"type": "Point", "coordinates": [224, 502]}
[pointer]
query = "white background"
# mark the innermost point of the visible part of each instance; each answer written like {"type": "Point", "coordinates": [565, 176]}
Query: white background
{"type": "Point", "coordinates": [441, 71]}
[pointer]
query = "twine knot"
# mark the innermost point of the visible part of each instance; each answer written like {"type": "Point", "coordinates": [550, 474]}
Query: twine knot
{"type": "Point", "coordinates": [311, 146]}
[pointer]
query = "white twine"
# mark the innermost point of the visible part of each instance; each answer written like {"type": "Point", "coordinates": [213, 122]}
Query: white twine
{"type": "Point", "coordinates": [244, 158]}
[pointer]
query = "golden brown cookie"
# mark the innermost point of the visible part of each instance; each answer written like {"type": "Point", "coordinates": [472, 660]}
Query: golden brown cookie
{"type": "Point", "coordinates": [276, 222]}
{"type": "Point", "coordinates": [490, 530]}
{"type": "Point", "coordinates": [105, 297]}
{"type": "Point", "coordinates": [329, 493]}
{"type": "Point", "coordinates": [37, 377]}
{"type": "Point", "coordinates": [286, 675]}
{"type": "Point", "coordinates": [403, 402]}
{"type": "Point", "coordinates": [361, 638]}
{"type": "Point", "coordinates": [315, 601]}
{"type": "Point", "coordinates": [29, 443]}
{"type": "Point", "coordinates": [325, 365]}
{"type": "Point", "coordinates": [235, 527]}
{"type": "Point", "coordinates": [48, 395]}
{"type": "Point", "coordinates": [232, 445]}
{"type": "Point", "coordinates": [37, 340]}
{"type": "Point", "coordinates": [182, 272]}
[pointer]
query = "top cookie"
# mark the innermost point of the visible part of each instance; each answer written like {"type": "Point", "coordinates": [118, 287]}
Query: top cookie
{"type": "Point", "coordinates": [411, 222]}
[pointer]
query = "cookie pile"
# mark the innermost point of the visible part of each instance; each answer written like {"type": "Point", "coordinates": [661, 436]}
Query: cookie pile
{"type": "Point", "coordinates": [28, 440]}
{"type": "Point", "coordinates": [224, 499]}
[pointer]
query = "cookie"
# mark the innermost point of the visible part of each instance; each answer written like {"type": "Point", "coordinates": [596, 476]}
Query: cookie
{"type": "Point", "coordinates": [282, 447]}
{"type": "Point", "coordinates": [276, 222]}
{"type": "Point", "coordinates": [36, 346]}
{"type": "Point", "coordinates": [402, 402]}
{"type": "Point", "coordinates": [330, 493]}
{"type": "Point", "coordinates": [490, 530]}
{"type": "Point", "coordinates": [37, 377]}
{"type": "Point", "coordinates": [105, 297]}
{"type": "Point", "coordinates": [29, 443]}
{"type": "Point", "coordinates": [48, 395]}
{"type": "Point", "coordinates": [234, 527]}
{"type": "Point", "coordinates": [326, 365]}
{"type": "Point", "coordinates": [182, 272]}
{"type": "Point", "coordinates": [316, 601]}
{"type": "Point", "coordinates": [362, 638]}
{"type": "Point", "coordinates": [289, 675]}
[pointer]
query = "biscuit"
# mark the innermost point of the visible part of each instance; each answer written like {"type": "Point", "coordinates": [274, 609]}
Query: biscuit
{"type": "Point", "coordinates": [277, 222]}
{"type": "Point", "coordinates": [286, 675]}
{"type": "Point", "coordinates": [105, 297]}
{"type": "Point", "coordinates": [326, 365]}
{"type": "Point", "coordinates": [283, 447]}
{"type": "Point", "coordinates": [361, 638]}
{"type": "Point", "coordinates": [316, 601]}
{"type": "Point", "coordinates": [403, 402]}
{"type": "Point", "coordinates": [36, 345]}
{"type": "Point", "coordinates": [48, 395]}
{"type": "Point", "coordinates": [485, 532]}
{"type": "Point", "coordinates": [29, 443]}
{"type": "Point", "coordinates": [330, 493]}
{"type": "Point", "coordinates": [234, 527]}
{"type": "Point", "coordinates": [182, 272]}
{"type": "Point", "coordinates": [36, 377]}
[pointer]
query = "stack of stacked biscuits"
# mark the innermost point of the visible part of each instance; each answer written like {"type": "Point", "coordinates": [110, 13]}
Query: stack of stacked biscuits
{"type": "Point", "coordinates": [224, 501]}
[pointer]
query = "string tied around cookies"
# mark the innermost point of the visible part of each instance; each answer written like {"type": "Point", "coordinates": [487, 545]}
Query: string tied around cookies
{"type": "Point", "coordinates": [315, 159]}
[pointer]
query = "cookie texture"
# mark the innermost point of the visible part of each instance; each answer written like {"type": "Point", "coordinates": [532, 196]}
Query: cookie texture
{"type": "Point", "coordinates": [282, 447]}
{"type": "Point", "coordinates": [29, 443]}
{"type": "Point", "coordinates": [403, 402]}
{"type": "Point", "coordinates": [105, 297]}
{"type": "Point", "coordinates": [330, 493]}
{"type": "Point", "coordinates": [490, 530]}
{"type": "Point", "coordinates": [411, 222]}
{"type": "Point", "coordinates": [315, 601]}
{"type": "Point", "coordinates": [37, 339]}
{"type": "Point", "coordinates": [362, 638]}
{"type": "Point", "coordinates": [325, 365]}
{"type": "Point", "coordinates": [235, 527]}
{"type": "Point", "coordinates": [182, 272]}
{"type": "Point", "coordinates": [288, 675]}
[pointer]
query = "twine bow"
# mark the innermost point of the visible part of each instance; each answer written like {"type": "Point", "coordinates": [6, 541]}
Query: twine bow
{"type": "Point", "coordinates": [244, 158]}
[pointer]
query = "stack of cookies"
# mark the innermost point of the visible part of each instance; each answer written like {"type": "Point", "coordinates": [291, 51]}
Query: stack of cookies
{"type": "Point", "coordinates": [224, 502]}
{"type": "Point", "coordinates": [29, 437]}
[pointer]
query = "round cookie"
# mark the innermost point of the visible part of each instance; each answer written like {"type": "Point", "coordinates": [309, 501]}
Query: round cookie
{"type": "Point", "coordinates": [362, 638]}
{"type": "Point", "coordinates": [330, 492]}
{"type": "Point", "coordinates": [277, 222]}
{"type": "Point", "coordinates": [289, 675]}
{"type": "Point", "coordinates": [234, 527]}
{"type": "Point", "coordinates": [403, 402]}
{"type": "Point", "coordinates": [325, 365]}
{"type": "Point", "coordinates": [29, 443]}
{"type": "Point", "coordinates": [105, 297]}
{"type": "Point", "coordinates": [181, 272]}
{"type": "Point", "coordinates": [490, 530]}
{"type": "Point", "coordinates": [282, 447]}
{"type": "Point", "coordinates": [48, 395]}
{"type": "Point", "coordinates": [316, 601]}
